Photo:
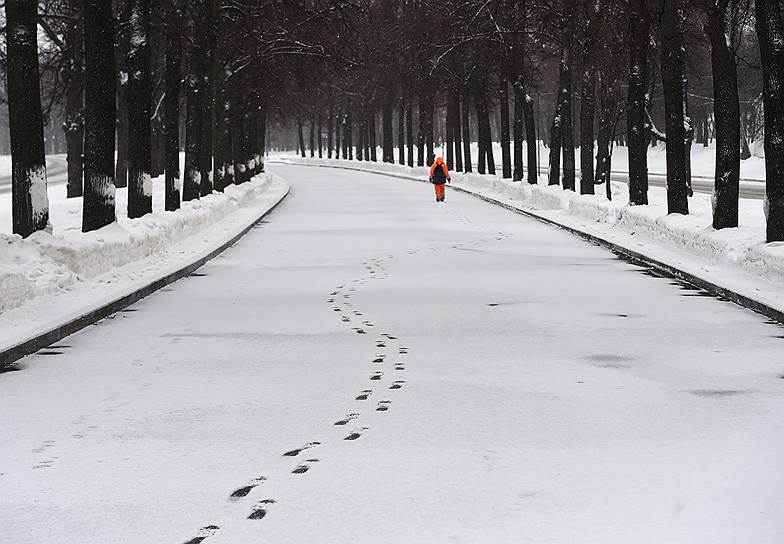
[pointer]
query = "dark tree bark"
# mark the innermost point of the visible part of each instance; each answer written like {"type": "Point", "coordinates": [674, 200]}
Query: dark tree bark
{"type": "Point", "coordinates": [194, 124]}
{"type": "Point", "coordinates": [770, 29]}
{"type": "Point", "coordinates": [506, 150]}
{"type": "Point", "coordinates": [567, 128]}
{"type": "Point", "coordinates": [121, 59]}
{"type": "Point", "coordinates": [318, 137]}
{"type": "Point", "coordinates": [727, 115]}
{"type": "Point", "coordinates": [30, 203]}
{"type": "Point", "coordinates": [372, 134]}
{"type": "Point", "coordinates": [410, 133]}
{"type": "Point", "coordinates": [421, 136]}
{"type": "Point", "coordinates": [636, 118]}
{"type": "Point", "coordinates": [450, 134]}
{"type": "Point", "coordinates": [172, 105]}
{"type": "Point", "coordinates": [429, 134]}
{"type": "Point", "coordinates": [312, 142]}
{"type": "Point", "coordinates": [100, 116]}
{"type": "Point", "coordinates": [207, 90]}
{"type": "Point", "coordinates": [339, 147]}
{"type": "Point", "coordinates": [466, 122]}
{"type": "Point", "coordinates": [301, 138]}
{"type": "Point", "coordinates": [401, 132]}
{"type": "Point", "coordinates": [73, 73]}
{"type": "Point", "coordinates": [486, 161]}
{"type": "Point", "coordinates": [672, 77]}
{"type": "Point", "coordinates": [139, 106]}
{"type": "Point", "coordinates": [555, 146]}
{"type": "Point", "coordinates": [330, 123]}
{"type": "Point", "coordinates": [349, 136]}
{"type": "Point", "coordinates": [387, 132]}
{"type": "Point", "coordinates": [587, 114]}
{"type": "Point", "coordinates": [456, 128]}
{"type": "Point", "coordinates": [532, 141]}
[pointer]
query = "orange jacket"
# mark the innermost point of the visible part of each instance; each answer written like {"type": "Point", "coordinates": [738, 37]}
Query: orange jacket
{"type": "Point", "coordinates": [439, 162]}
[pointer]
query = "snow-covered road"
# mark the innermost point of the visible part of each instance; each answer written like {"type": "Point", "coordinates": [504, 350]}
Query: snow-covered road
{"type": "Point", "coordinates": [450, 373]}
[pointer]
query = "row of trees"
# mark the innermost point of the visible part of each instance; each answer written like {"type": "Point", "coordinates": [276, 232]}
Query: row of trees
{"type": "Point", "coordinates": [698, 68]}
{"type": "Point", "coordinates": [139, 81]}
{"type": "Point", "coordinates": [401, 71]}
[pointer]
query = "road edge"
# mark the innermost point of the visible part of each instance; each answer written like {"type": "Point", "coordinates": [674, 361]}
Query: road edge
{"type": "Point", "coordinates": [14, 353]}
{"type": "Point", "coordinates": [627, 254]}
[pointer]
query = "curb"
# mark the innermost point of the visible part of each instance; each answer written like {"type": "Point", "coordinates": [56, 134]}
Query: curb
{"type": "Point", "coordinates": [662, 269]}
{"type": "Point", "coordinates": [12, 354]}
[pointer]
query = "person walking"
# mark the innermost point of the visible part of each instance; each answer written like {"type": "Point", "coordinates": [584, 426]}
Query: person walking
{"type": "Point", "coordinates": [439, 176]}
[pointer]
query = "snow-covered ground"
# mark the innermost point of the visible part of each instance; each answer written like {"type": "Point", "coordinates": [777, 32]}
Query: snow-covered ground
{"type": "Point", "coordinates": [50, 278]}
{"type": "Point", "coordinates": [548, 392]}
{"type": "Point", "coordinates": [738, 259]}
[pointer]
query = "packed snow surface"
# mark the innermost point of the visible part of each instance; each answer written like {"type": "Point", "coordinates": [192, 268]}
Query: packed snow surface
{"type": "Point", "coordinates": [738, 259]}
{"type": "Point", "coordinates": [52, 276]}
{"type": "Point", "coordinates": [521, 385]}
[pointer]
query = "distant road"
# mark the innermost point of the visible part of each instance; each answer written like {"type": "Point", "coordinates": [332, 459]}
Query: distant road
{"type": "Point", "coordinates": [56, 171]}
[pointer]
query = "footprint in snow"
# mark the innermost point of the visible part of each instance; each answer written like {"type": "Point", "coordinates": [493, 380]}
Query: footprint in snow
{"type": "Point", "coordinates": [376, 375]}
{"type": "Point", "coordinates": [400, 366]}
{"type": "Point", "coordinates": [345, 319]}
{"type": "Point", "coordinates": [347, 419]}
{"type": "Point", "coordinates": [243, 491]}
{"type": "Point", "coordinates": [304, 467]}
{"type": "Point", "coordinates": [380, 345]}
{"type": "Point", "coordinates": [261, 508]}
{"type": "Point", "coordinates": [389, 336]}
{"type": "Point", "coordinates": [398, 384]}
{"type": "Point", "coordinates": [294, 453]}
{"type": "Point", "coordinates": [379, 359]}
{"type": "Point", "coordinates": [355, 434]}
{"type": "Point", "coordinates": [365, 394]}
{"type": "Point", "coordinates": [361, 331]}
{"type": "Point", "coordinates": [383, 406]}
{"type": "Point", "coordinates": [204, 534]}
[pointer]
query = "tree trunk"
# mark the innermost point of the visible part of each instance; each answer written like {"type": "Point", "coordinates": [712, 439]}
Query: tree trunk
{"type": "Point", "coordinates": [194, 124]}
{"type": "Point", "coordinates": [30, 202]}
{"type": "Point", "coordinates": [450, 134]}
{"type": "Point", "coordinates": [410, 133]}
{"type": "Point", "coordinates": [421, 134]}
{"type": "Point", "coordinates": [401, 133]}
{"type": "Point", "coordinates": [330, 123]}
{"type": "Point", "coordinates": [74, 98]}
{"type": "Point", "coordinates": [466, 121]}
{"type": "Point", "coordinates": [139, 106]}
{"type": "Point", "coordinates": [770, 29]}
{"type": "Point", "coordinates": [567, 128]}
{"type": "Point", "coordinates": [506, 151]}
{"type": "Point", "coordinates": [555, 146]}
{"type": "Point", "coordinates": [98, 205]}
{"type": "Point", "coordinates": [312, 142]}
{"type": "Point", "coordinates": [121, 60]}
{"type": "Point", "coordinates": [301, 138]}
{"type": "Point", "coordinates": [727, 115]}
{"type": "Point", "coordinates": [456, 128]}
{"type": "Point", "coordinates": [349, 136]}
{"type": "Point", "coordinates": [587, 114]}
{"type": "Point", "coordinates": [672, 77]}
{"type": "Point", "coordinates": [172, 105]}
{"type": "Point", "coordinates": [637, 129]}
{"type": "Point", "coordinates": [387, 131]}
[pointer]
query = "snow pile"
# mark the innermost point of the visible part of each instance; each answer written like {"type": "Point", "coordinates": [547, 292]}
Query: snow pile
{"type": "Point", "coordinates": [46, 263]}
{"type": "Point", "coordinates": [636, 227]}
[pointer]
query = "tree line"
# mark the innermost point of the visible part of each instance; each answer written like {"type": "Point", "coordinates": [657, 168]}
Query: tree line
{"type": "Point", "coordinates": [356, 75]}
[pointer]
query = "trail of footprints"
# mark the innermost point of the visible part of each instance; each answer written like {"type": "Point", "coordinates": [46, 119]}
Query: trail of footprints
{"type": "Point", "coordinates": [340, 301]}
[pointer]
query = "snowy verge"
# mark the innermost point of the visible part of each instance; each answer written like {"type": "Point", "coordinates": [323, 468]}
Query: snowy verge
{"type": "Point", "coordinates": [738, 259]}
{"type": "Point", "coordinates": [52, 278]}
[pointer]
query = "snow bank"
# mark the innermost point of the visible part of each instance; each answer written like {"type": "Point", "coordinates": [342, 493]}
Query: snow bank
{"type": "Point", "coordinates": [646, 229]}
{"type": "Point", "coordinates": [46, 263]}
